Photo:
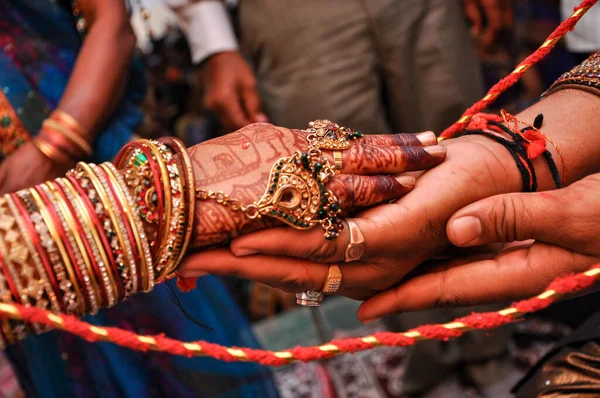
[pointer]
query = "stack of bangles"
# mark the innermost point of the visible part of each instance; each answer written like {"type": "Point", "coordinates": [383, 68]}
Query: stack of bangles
{"type": "Point", "coordinates": [97, 236]}
{"type": "Point", "coordinates": [105, 232]}
{"type": "Point", "coordinates": [61, 139]}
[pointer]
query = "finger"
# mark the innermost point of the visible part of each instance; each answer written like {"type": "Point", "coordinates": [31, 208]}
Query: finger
{"type": "Point", "coordinates": [289, 274]}
{"type": "Point", "coordinates": [355, 191]}
{"type": "Point", "coordinates": [420, 139]}
{"type": "Point", "coordinates": [366, 159]}
{"type": "Point", "coordinates": [252, 104]}
{"type": "Point", "coordinates": [228, 108]}
{"type": "Point", "coordinates": [515, 275]}
{"type": "Point", "coordinates": [474, 16]}
{"type": "Point", "coordinates": [508, 218]}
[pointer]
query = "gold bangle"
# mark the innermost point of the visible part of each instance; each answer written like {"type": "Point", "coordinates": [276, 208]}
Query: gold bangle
{"type": "Point", "coordinates": [70, 121]}
{"type": "Point", "coordinates": [191, 205]}
{"type": "Point", "coordinates": [140, 236]}
{"type": "Point", "coordinates": [6, 223]}
{"type": "Point", "coordinates": [119, 227]}
{"type": "Point", "coordinates": [33, 253]}
{"type": "Point", "coordinates": [79, 142]}
{"type": "Point", "coordinates": [107, 206]}
{"type": "Point", "coordinates": [81, 255]}
{"type": "Point", "coordinates": [51, 152]}
{"type": "Point", "coordinates": [61, 264]}
{"type": "Point", "coordinates": [91, 235]}
{"type": "Point", "coordinates": [162, 253]}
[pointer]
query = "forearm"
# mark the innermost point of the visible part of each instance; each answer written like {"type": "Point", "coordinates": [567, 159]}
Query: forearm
{"type": "Point", "coordinates": [98, 235]}
{"type": "Point", "coordinates": [570, 121]}
{"type": "Point", "coordinates": [98, 79]}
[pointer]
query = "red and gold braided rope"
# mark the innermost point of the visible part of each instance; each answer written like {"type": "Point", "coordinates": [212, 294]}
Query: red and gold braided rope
{"type": "Point", "coordinates": [559, 287]}
{"type": "Point", "coordinates": [520, 70]}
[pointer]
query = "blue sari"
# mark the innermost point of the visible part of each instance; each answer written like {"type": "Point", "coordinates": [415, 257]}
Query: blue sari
{"type": "Point", "coordinates": [38, 48]}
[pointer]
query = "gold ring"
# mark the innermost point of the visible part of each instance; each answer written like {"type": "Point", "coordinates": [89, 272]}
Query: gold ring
{"type": "Point", "coordinates": [356, 247]}
{"type": "Point", "coordinates": [333, 280]}
{"type": "Point", "coordinates": [337, 159]}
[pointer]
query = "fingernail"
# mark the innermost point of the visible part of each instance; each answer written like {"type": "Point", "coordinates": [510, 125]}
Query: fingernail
{"type": "Point", "coordinates": [261, 118]}
{"type": "Point", "coordinates": [427, 138]}
{"type": "Point", "coordinates": [242, 252]}
{"type": "Point", "coordinates": [437, 151]}
{"type": "Point", "coordinates": [466, 230]}
{"type": "Point", "coordinates": [407, 181]}
{"type": "Point", "coordinates": [370, 320]}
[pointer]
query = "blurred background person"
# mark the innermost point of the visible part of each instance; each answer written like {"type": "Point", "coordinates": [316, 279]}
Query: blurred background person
{"type": "Point", "coordinates": [378, 66]}
{"type": "Point", "coordinates": [78, 57]}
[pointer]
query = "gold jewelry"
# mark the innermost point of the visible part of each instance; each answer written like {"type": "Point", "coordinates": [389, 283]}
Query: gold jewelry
{"type": "Point", "coordinates": [6, 224]}
{"type": "Point", "coordinates": [121, 248]}
{"type": "Point", "coordinates": [333, 280]}
{"type": "Point", "coordinates": [105, 204]}
{"type": "Point", "coordinates": [50, 152]}
{"type": "Point", "coordinates": [70, 121]}
{"type": "Point", "coordinates": [356, 247]}
{"type": "Point", "coordinates": [77, 246]}
{"type": "Point", "coordinates": [91, 235]}
{"type": "Point", "coordinates": [77, 140]}
{"type": "Point", "coordinates": [162, 253]}
{"type": "Point", "coordinates": [324, 134]}
{"type": "Point", "coordinates": [184, 156]}
{"type": "Point", "coordinates": [58, 257]}
{"type": "Point", "coordinates": [338, 161]}
{"type": "Point", "coordinates": [141, 240]}
{"type": "Point", "coordinates": [296, 193]}
{"type": "Point", "coordinates": [32, 253]}
{"type": "Point", "coordinates": [176, 225]}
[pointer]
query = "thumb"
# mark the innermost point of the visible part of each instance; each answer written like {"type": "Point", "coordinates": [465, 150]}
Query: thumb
{"type": "Point", "coordinates": [507, 218]}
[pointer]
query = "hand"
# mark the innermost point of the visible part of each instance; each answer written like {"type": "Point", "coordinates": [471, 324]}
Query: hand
{"type": "Point", "coordinates": [27, 167]}
{"type": "Point", "coordinates": [399, 236]}
{"type": "Point", "coordinates": [489, 19]}
{"type": "Point", "coordinates": [564, 223]}
{"type": "Point", "coordinates": [231, 91]}
{"type": "Point", "coordinates": [239, 164]}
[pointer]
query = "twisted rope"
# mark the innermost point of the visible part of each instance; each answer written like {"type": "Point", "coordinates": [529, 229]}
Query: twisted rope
{"type": "Point", "coordinates": [507, 82]}
{"type": "Point", "coordinates": [560, 286]}
{"type": "Point", "coordinates": [476, 321]}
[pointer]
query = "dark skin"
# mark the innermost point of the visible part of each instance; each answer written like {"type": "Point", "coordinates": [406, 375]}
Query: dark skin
{"type": "Point", "coordinates": [94, 89]}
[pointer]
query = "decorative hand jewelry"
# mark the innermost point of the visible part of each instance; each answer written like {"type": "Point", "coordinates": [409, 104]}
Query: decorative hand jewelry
{"type": "Point", "coordinates": [296, 193]}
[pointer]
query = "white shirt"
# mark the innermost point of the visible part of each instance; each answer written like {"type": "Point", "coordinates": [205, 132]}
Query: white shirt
{"type": "Point", "coordinates": [206, 25]}
{"type": "Point", "coordinates": [585, 38]}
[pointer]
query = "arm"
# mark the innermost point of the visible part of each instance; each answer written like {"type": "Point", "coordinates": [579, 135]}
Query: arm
{"type": "Point", "coordinates": [231, 89]}
{"type": "Point", "coordinates": [93, 90]}
{"type": "Point", "coordinates": [98, 79]}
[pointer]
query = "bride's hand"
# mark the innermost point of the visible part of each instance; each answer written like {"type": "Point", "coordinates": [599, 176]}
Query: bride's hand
{"type": "Point", "coordinates": [238, 164]}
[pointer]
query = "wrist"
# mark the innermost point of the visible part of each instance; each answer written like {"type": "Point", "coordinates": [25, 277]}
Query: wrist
{"type": "Point", "coordinates": [490, 157]}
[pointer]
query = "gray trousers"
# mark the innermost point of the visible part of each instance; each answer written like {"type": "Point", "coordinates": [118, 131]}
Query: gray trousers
{"type": "Point", "coordinates": [378, 66]}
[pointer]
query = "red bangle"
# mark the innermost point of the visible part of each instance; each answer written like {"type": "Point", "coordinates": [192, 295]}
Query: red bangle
{"type": "Point", "coordinates": [120, 162]}
{"type": "Point", "coordinates": [88, 248]}
{"type": "Point", "coordinates": [63, 235]}
{"type": "Point", "coordinates": [123, 214]}
{"type": "Point", "coordinates": [98, 225]}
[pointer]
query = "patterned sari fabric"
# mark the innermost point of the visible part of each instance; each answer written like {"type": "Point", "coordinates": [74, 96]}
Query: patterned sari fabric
{"type": "Point", "coordinates": [39, 44]}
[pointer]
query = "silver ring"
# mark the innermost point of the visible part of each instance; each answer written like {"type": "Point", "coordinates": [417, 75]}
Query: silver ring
{"type": "Point", "coordinates": [310, 298]}
{"type": "Point", "coordinates": [356, 247]}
